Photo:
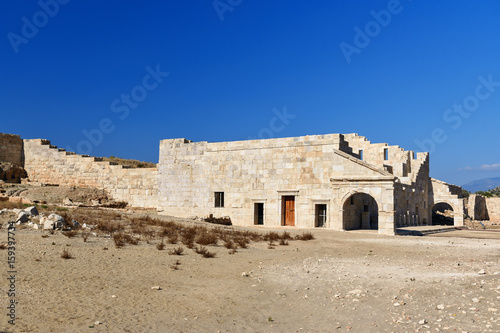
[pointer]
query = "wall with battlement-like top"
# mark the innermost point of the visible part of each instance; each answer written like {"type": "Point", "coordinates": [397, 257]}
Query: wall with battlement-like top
{"type": "Point", "coordinates": [50, 165]}
{"type": "Point", "coordinates": [11, 148]}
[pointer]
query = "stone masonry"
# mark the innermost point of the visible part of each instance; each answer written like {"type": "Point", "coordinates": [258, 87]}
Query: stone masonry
{"type": "Point", "coordinates": [335, 181]}
{"type": "Point", "coordinates": [11, 148]}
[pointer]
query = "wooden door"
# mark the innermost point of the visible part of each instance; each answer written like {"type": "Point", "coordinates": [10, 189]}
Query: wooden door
{"type": "Point", "coordinates": [288, 211]}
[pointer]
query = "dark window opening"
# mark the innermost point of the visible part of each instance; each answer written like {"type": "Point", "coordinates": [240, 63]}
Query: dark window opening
{"type": "Point", "coordinates": [365, 208]}
{"type": "Point", "coordinates": [386, 154]}
{"type": "Point", "coordinates": [361, 154]}
{"type": "Point", "coordinates": [259, 213]}
{"type": "Point", "coordinates": [320, 215]}
{"type": "Point", "coordinates": [352, 200]}
{"type": "Point", "coordinates": [219, 199]}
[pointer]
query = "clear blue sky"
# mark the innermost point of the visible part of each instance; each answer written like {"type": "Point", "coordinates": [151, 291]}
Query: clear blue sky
{"type": "Point", "coordinates": [234, 65]}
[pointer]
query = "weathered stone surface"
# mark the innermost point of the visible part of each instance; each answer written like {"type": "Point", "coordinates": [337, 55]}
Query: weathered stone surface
{"type": "Point", "coordinates": [32, 211]}
{"type": "Point", "coordinates": [23, 217]}
{"type": "Point", "coordinates": [53, 221]}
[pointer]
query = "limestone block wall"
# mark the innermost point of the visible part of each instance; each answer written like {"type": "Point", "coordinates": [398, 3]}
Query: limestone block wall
{"type": "Point", "coordinates": [477, 207]}
{"type": "Point", "coordinates": [399, 161]}
{"type": "Point", "coordinates": [11, 148]}
{"type": "Point", "coordinates": [412, 195]}
{"type": "Point", "coordinates": [447, 193]}
{"type": "Point", "coordinates": [45, 163]}
{"type": "Point", "coordinates": [264, 171]}
{"type": "Point", "coordinates": [493, 207]}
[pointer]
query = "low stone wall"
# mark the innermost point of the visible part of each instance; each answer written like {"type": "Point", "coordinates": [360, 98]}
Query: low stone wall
{"type": "Point", "coordinates": [11, 148]}
{"type": "Point", "coordinates": [48, 164]}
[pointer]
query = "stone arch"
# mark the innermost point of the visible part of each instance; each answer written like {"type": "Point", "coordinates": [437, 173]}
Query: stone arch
{"type": "Point", "coordinates": [359, 211]}
{"type": "Point", "coordinates": [443, 213]}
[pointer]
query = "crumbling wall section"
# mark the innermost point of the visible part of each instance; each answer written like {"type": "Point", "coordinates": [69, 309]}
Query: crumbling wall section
{"type": "Point", "coordinates": [48, 164]}
{"type": "Point", "coordinates": [441, 192]}
{"type": "Point", "coordinates": [477, 208]}
{"type": "Point", "coordinates": [493, 208]}
{"type": "Point", "coordinates": [11, 149]}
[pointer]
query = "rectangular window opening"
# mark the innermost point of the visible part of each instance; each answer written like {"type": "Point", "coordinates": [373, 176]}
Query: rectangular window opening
{"type": "Point", "coordinates": [259, 213]}
{"type": "Point", "coordinates": [386, 154]}
{"type": "Point", "coordinates": [219, 199]}
{"type": "Point", "coordinates": [321, 215]}
{"type": "Point", "coordinates": [361, 154]}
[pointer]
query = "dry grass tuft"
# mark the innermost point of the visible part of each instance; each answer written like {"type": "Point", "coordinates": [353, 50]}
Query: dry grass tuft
{"type": "Point", "coordinates": [204, 252]}
{"type": "Point", "coordinates": [283, 242]}
{"type": "Point", "coordinates": [160, 246]}
{"type": "Point", "coordinates": [175, 265]}
{"type": "Point", "coordinates": [207, 237]}
{"type": "Point", "coordinates": [176, 251]}
{"type": "Point", "coordinates": [305, 236]}
{"type": "Point", "coordinates": [70, 234]}
{"type": "Point", "coordinates": [85, 236]}
{"type": "Point", "coordinates": [66, 255]}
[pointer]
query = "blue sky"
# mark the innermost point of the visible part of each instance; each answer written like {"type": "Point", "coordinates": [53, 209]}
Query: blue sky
{"type": "Point", "coordinates": [115, 77]}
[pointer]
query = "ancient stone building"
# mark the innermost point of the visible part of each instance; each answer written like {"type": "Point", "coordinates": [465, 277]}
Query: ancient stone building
{"type": "Point", "coordinates": [334, 181]}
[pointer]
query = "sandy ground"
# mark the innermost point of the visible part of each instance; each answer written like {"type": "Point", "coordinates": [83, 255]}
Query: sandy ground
{"type": "Point", "coordinates": [341, 281]}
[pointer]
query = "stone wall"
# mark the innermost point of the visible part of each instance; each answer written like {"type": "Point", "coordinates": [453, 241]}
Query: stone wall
{"type": "Point", "coordinates": [477, 208]}
{"type": "Point", "coordinates": [319, 169]}
{"type": "Point", "coordinates": [11, 148]}
{"type": "Point", "coordinates": [441, 192]}
{"type": "Point", "coordinates": [47, 164]}
{"type": "Point", "coordinates": [493, 208]}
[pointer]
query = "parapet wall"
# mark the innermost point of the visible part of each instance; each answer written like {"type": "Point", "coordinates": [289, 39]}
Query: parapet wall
{"type": "Point", "coordinates": [46, 163]}
{"type": "Point", "coordinates": [11, 148]}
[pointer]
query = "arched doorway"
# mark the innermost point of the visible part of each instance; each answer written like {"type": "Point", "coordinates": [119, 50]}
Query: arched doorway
{"type": "Point", "coordinates": [442, 214]}
{"type": "Point", "coordinates": [360, 211]}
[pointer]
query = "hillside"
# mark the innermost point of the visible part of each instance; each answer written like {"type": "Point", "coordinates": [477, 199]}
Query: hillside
{"type": "Point", "coordinates": [484, 184]}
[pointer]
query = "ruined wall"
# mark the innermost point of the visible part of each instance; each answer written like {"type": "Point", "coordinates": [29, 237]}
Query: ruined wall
{"type": "Point", "coordinates": [48, 164]}
{"type": "Point", "coordinates": [493, 208]}
{"type": "Point", "coordinates": [412, 170]}
{"type": "Point", "coordinates": [450, 194]}
{"type": "Point", "coordinates": [263, 171]}
{"type": "Point", "coordinates": [11, 148]}
{"type": "Point", "coordinates": [398, 162]}
{"type": "Point", "coordinates": [477, 208]}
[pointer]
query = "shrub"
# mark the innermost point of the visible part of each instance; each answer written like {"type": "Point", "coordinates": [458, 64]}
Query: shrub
{"type": "Point", "coordinates": [160, 246]}
{"type": "Point", "coordinates": [305, 236]}
{"type": "Point", "coordinates": [177, 251]}
{"type": "Point", "coordinates": [271, 236]}
{"type": "Point", "coordinates": [66, 255]}
{"type": "Point", "coordinates": [70, 234]}
{"type": "Point", "coordinates": [229, 244]}
{"type": "Point", "coordinates": [187, 237]}
{"type": "Point", "coordinates": [173, 238]}
{"type": "Point", "coordinates": [242, 242]}
{"type": "Point", "coordinates": [118, 239]}
{"type": "Point", "coordinates": [204, 252]}
{"type": "Point", "coordinates": [206, 238]}
{"type": "Point", "coordinates": [283, 242]}
{"type": "Point", "coordinates": [286, 236]}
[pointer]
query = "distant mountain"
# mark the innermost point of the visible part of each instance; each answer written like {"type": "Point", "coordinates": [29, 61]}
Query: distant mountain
{"type": "Point", "coordinates": [484, 184]}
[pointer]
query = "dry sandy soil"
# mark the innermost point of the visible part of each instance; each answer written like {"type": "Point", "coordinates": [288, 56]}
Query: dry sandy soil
{"type": "Point", "coordinates": [341, 281]}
